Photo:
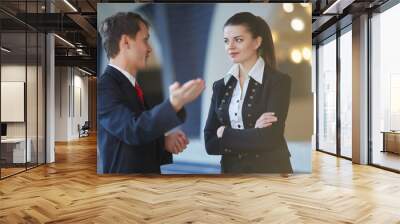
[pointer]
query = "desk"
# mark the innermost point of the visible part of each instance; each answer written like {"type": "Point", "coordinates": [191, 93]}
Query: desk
{"type": "Point", "coordinates": [391, 141]}
{"type": "Point", "coordinates": [13, 150]}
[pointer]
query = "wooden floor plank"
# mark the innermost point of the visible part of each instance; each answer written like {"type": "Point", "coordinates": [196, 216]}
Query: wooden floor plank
{"type": "Point", "coordinates": [70, 191]}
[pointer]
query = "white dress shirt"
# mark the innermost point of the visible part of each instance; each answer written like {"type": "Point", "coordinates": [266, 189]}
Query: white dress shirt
{"type": "Point", "coordinates": [236, 104]}
{"type": "Point", "coordinates": [128, 75]}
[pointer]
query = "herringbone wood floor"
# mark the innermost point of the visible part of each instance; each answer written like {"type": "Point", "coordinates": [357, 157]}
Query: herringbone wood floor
{"type": "Point", "coordinates": [70, 191]}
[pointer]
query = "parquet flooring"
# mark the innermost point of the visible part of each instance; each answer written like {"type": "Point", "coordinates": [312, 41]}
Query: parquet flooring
{"type": "Point", "coordinates": [70, 191]}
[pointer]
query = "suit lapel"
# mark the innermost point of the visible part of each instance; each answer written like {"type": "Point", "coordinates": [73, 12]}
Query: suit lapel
{"type": "Point", "coordinates": [266, 82]}
{"type": "Point", "coordinates": [127, 89]}
{"type": "Point", "coordinates": [226, 97]}
{"type": "Point", "coordinates": [254, 92]}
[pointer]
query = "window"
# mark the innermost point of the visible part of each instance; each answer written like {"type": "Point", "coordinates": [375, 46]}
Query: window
{"type": "Point", "coordinates": [346, 93]}
{"type": "Point", "coordinates": [327, 96]}
{"type": "Point", "coordinates": [385, 89]}
{"type": "Point", "coordinates": [22, 76]}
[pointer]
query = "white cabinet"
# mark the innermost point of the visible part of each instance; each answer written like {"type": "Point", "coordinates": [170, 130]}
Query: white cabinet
{"type": "Point", "coordinates": [17, 148]}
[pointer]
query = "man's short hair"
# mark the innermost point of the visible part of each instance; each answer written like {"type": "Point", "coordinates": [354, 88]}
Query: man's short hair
{"type": "Point", "coordinates": [113, 27]}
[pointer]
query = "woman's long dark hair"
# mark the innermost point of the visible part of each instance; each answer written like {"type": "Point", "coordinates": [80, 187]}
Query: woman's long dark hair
{"type": "Point", "coordinates": [258, 27]}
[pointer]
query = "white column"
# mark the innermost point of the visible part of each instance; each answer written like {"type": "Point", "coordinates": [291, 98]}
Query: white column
{"type": "Point", "coordinates": [50, 80]}
{"type": "Point", "coordinates": [360, 90]}
{"type": "Point", "coordinates": [314, 93]}
{"type": "Point", "coordinates": [50, 93]}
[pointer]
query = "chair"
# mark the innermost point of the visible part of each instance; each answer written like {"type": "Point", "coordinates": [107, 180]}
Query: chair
{"type": "Point", "coordinates": [84, 130]}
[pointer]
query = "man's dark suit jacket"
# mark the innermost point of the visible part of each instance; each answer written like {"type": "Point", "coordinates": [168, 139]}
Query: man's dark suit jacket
{"type": "Point", "coordinates": [130, 135]}
{"type": "Point", "coordinates": [251, 150]}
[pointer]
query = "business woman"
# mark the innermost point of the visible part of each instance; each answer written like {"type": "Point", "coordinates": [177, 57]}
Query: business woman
{"type": "Point", "coordinates": [247, 115]}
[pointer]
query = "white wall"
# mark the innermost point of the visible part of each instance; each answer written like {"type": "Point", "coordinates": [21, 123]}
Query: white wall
{"type": "Point", "coordinates": [17, 73]}
{"type": "Point", "coordinates": [33, 126]}
{"type": "Point", "coordinates": [71, 93]}
{"type": "Point", "coordinates": [80, 96]}
{"type": "Point", "coordinates": [14, 73]}
{"type": "Point", "coordinates": [61, 103]}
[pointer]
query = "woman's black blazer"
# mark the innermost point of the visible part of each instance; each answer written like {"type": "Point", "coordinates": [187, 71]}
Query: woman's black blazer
{"type": "Point", "coordinates": [251, 150]}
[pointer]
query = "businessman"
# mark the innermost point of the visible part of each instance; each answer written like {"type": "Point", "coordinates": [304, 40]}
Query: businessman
{"type": "Point", "coordinates": [131, 136]}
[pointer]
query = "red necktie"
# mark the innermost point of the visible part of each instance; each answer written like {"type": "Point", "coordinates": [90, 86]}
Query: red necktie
{"type": "Point", "coordinates": [139, 93]}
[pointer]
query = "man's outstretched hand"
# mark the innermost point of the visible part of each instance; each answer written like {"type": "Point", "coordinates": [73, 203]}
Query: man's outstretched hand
{"type": "Point", "coordinates": [180, 95]}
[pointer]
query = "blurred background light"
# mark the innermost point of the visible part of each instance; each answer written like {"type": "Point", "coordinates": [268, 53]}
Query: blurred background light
{"type": "Point", "coordinates": [297, 24]}
{"type": "Point", "coordinates": [274, 36]}
{"type": "Point", "coordinates": [288, 7]}
{"type": "Point", "coordinates": [296, 56]}
{"type": "Point", "coordinates": [306, 53]}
